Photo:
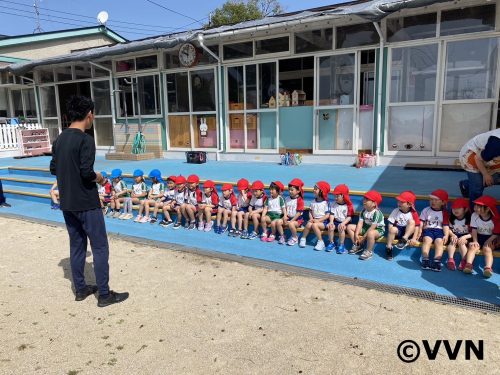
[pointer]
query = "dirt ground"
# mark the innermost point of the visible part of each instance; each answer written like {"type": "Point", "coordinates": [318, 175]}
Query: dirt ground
{"type": "Point", "coordinates": [189, 314]}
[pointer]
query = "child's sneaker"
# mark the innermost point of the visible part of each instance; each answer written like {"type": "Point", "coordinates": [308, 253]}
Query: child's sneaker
{"type": "Point", "coordinates": [388, 253]}
{"type": "Point", "coordinates": [271, 238]}
{"type": "Point", "coordinates": [122, 216]}
{"type": "Point", "coordinates": [111, 213]}
{"type": "Point", "coordinates": [367, 254]}
{"type": "Point", "coordinates": [355, 249]}
{"type": "Point", "coordinates": [402, 243]}
{"type": "Point", "coordinates": [208, 226]}
{"type": "Point", "coordinates": [263, 238]}
{"type": "Point", "coordinates": [330, 247]}
{"type": "Point", "coordinates": [281, 240]}
{"type": "Point", "coordinates": [222, 229]}
{"type": "Point", "coordinates": [244, 235]}
{"type": "Point", "coordinates": [341, 249]}
{"type": "Point", "coordinates": [231, 232]}
{"type": "Point", "coordinates": [216, 229]}
{"type": "Point", "coordinates": [436, 265]}
{"type": "Point", "coordinates": [450, 264]}
{"type": "Point", "coordinates": [201, 225]}
{"type": "Point", "coordinates": [237, 233]}
{"type": "Point", "coordinates": [116, 214]}
{"type": "Point", "coordinates": [253, 236]}
{"type": "Point", "coordinates": [192, 225]}
{"type": "Point", "coordinates": [164, 223]}
{"type": "Point", "coordinates": [426, 264]}
{"type": "Point", "coordinates": [105, 210]}
{"type": "Point", "coordinates": [177, 225]}
{"type": "Point", "coordinates": [292, 241]}
{"type": "Point", "coordinates": [57, 206]}
{"type": "Point", "coordinates": [145, 219]}
{"type": "Point", "coordinates": [129, 216]}
{"type": "Point", "coordinates": [487, 272]}
{"type": "Point", "coordinates": [302, 242]}
{"type": "Point", "coordinates": [320, 246]}
{"type": "Point", "coordinates": [461, 266]}
{"type": "Point", "coordinates": [52, 205]}
{"type": "Point", "coordinates": [186, 224]}
{"type": "Point", "coordinates": [153, 220]}
{"type": "Point", "coordinates": [468, 268]}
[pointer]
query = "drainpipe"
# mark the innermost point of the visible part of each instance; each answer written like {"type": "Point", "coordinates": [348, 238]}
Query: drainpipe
{"type": "Point", "coordinates": [112, 92]}
{"type": "Point", "coordinates": [378, 126]}
{"type": "Point", "coordinates": [219, 91]}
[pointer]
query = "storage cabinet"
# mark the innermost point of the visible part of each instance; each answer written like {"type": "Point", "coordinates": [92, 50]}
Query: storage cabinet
{"type": "Point", "coordinates": [34, 142]}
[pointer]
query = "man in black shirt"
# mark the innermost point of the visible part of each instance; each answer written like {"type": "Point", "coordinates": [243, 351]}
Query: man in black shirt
{"type": "Point", "coordinates": [73, 156]}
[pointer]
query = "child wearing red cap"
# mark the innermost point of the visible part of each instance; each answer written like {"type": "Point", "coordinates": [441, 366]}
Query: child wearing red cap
{"type": "Point", "coordinates": [255, 208]}
{"type": "Point", "coordinates": [227, 206]}
{"type": "Point", "coordinates": [274, 210]}
{"type": "Point", "coordinates": [294, 209]}
{"type": "Point", "coordinates": [341, 212]}
{"type": "Point", "coordinates": [167, 203]}
{"type": "Point", "coordinates": [402, 223]}
{"type": "Point", "coordinates": [243, 198]}
{"type": "Point", "coordinates": [371, 226]}
{"type": "Point", "coordinates": [435, 229]}
{"type": "Point", "coordinates": [459, 232]}
{"type": "Point", "coordinates": [485, 225]}
{"type": "Point", "coordinates": [319, 212]}
{"type": "Point", "coordinates": [207, 206]}
{"type": "Point", "coordinates": [190, 206]}
{"type": "Point", "coordinates": [179, 199]}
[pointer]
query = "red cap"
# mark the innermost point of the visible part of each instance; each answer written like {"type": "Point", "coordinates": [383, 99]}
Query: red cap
{"type": "Point", "coordinates": [374, 196]}
{"type": "Point", "coordinates": [243, 184]}
{"type": "Point", "coordinates": [407, 196]}
{"type": "Point", "coordinates": [324, 187]}
{"type": "Point", "coordinates": [172, 178]}
{"type": "Point", "coordinates": [297, 182]}
{"type": "Point", "coordinates": [193, 179]}
{"type": "Point", "coordinates": [208, 184]}
{"type": "Point", "coordinates": [460, 203]}
{"type": "Point", "coordinates": [279, 185]}
{"type": "Point", "coordinates": [489, 202]}
{"type": "Point", "coordinates": [440, 194]}
{"type": "Point", "coordinates": [341, 189]}
{"type": "Point", "coordinates": [257, 185]}
{"type": "Point", "coordinates": [227, 187]}
{"type": "Point", "coordinates": [180, 180]}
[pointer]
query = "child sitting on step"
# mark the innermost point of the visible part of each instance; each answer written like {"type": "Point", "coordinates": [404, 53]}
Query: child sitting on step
{"type": "Point", "coordinates": [167, 202]}
{"type": "Point", "coordinates": [104, 189]}
{"type": "Point", "coordinates": [255, 208]}
{"type": "Point", "coordinates": [139, 190]}
{"type": "Point", "coordinates": [154, 196]}
{"type": "Point", "coordinates": [244, 196]}
{"type": "Point", "coordinates": [294, 209]}
{"type": "Point", "coordinates": [227, 206]}
{"type": "Point", "coordinates": [460, 234]}
{"type": "Point", "coordinates": [341, 212]}
{"type": "Point", "coordinates": [485, 226]}
{"type": "Point", "coordinates": [274, 211]}
{"type": "Point", "coordinates": [319, 213]}
{"type": "Point", "coordinates": [119, 193]}
{"type": "Point", "coordinates": [190, 206]}
{"type": "Point", "coordinates": [179, 199]}
{"type": "Point", "coordinates": [207, 206]}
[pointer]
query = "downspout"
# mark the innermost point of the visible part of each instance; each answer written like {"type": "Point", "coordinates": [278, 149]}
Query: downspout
{"type": "Point", "coordinates": [219, 92]}
{"type": "Point", "coordinates": [380, 92]}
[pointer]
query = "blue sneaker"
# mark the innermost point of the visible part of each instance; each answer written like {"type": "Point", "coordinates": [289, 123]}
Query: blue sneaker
{"type": "Point", "coordinates": [253, 236]}
{"type": "Point", "coordinates": [341, 249]}
{"type": "Point", "coordinates": [330, 247]}
{"type": "Point", "coordinates": [244, 235]}
{"type": "Point", "coordinates": [426, 264]}
{"type": "Point", "coordinates": [222, 230]}
{"type": "Point", "coordinates": [216, 229]}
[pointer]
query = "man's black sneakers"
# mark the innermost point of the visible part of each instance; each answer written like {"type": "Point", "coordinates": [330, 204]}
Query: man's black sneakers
{"type": "Point", "coordinates": [111, 298]}
{"type": "Point", "coordinates": [80, 296]}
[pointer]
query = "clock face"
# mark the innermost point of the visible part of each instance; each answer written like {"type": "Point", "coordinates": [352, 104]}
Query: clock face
{"type": "Point", "coordinates": [188, 55]}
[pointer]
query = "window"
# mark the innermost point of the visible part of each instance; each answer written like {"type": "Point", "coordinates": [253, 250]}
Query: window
{"type": "Point", "coordinates": [178, 92]}
{"type": "Point", "coordinates": [468, 20]}
{"type": "Point", "coordinates": [267, 82]}
{"type": "Point", "coordinates": [46, 76]}
{"type": "Point", "coordinates": [98, 72]}
{"type": "Point", "coordinates": [356, 35]}
{"type": "Point", "coordinates": [336, 80]}
{"type": "Point", "coordinates": [297, 74]}
{"type": "Point", "coordinates": [103, 128]}
{"type": "Point", "coordinates": [139, 96]}
{"type": "Point", "coordinates": [64, 73]}
{"type": "Point", "coordinates": [146, 62]}
{"type": "Point", "coordinates": [48, 94]}
{"type": "Point", "coordinates": [102, 98]}
{"type": "Point", "coordinates": [236, 87]}
{"type": "Point", "coordinates": [126, 97]}
{"type": "Point", "coordinates": [4, 104]}
{"type": "Point", "coordinates": [413, 27]}
{"type": "Point", "coordinates": [471, 69]}
{"type": "Point", "coordinates": [238, 50]}
{"type": "Point", "coordinates": [314, 40]}
{"type": "Point", "coordinates": [413, 73]}
{"type": "Point", "coordinates": [203, 90]}
{"type": "Point", "coordinates": [29, 103]}
{"type": "Point", "coordinates": [273, 45]}
{"type": "Point", "coordinates": [83, 71]}
{"type": "Point", "coordinates": [125, 65]}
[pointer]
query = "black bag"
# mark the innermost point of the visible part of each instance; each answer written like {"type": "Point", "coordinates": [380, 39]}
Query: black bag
{"type": "Point", "coordinates": [196, 157]}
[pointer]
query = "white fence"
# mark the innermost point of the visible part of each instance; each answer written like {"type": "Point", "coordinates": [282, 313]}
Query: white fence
{"type": "Point", "coordinates": [9, 135]}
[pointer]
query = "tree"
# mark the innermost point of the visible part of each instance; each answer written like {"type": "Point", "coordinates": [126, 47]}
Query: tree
{"type": "Point", "coordinates": [235, 11]}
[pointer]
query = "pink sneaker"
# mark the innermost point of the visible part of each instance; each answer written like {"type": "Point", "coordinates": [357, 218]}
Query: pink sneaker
{"type": "Point", "coordinates": [145, 219]}
{"type": "Point", "coordinates": [292, 241]}
{"type": "Point", "coordinates": [282, 240]}
{"type": "Point", "coordinates": [271, 238]}
{"type": "Point", "coordinates": [263, 238]}
{"type": "Point", "coordinates": [208, 226]}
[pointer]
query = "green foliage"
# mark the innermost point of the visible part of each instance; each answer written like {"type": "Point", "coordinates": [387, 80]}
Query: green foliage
{"type": "Point", "coordinates": [235, 11]}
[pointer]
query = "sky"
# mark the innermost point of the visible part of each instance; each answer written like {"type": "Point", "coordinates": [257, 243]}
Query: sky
{"type": "Point", "coordinates": [132, 19]}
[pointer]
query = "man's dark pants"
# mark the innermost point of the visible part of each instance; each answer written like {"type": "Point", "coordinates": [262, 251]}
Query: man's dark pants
{"type": "Point", "coordinates": [82, 225]}
{"type": "Point", "coordinates": [2, 197]}
{"type": "Point", "coordinates": [474, 187]}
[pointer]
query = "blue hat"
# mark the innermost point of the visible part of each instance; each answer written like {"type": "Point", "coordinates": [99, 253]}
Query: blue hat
{"type": "Point", "coordinates": [138, 173]}
{"type": "Point", "coordinates": [104, 174]}
{"type": "Point", "coordinates": [116, 173]}
{"type": "Point", "coordinates": [155, 173]}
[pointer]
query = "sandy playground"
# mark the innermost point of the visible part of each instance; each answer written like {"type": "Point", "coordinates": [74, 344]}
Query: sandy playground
{"type": "Point", "coordinates": [191, 314]}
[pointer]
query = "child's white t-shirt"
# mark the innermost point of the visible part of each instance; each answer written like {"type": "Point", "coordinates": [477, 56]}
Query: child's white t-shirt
{"type": "Point", "coordinates": [434, 219]}
{"type": "Point", "coordinates": [101, 189]}
{"type": "Point", "coordinates": [294, 205]}
{"type": "Point", "coordinates": [244, 200]}
{"type": "Point", "coordinates": [169, 194]}
{"type": "Point", "coordinates": [319, 209]}
{"type": "Point", "coordinates": [341, 211]}
{"type": "Point", "coordinates": [459, 226]}
{"type": "Point", "coordinates": [228, 203]}
{"type": "Point", "coordinates": [139, 188]}
{"type": "Point", "coordinates": [192, 196]}
{"type": "Point", "coordinates": [258, 203]}
{"type": "Point", "coordinates": [484, 227]}
{"type": "Point", "coordinates": [180, 196]}
{"type": "Point", "coordinates": [119, 186]}
{"type": "Point", "coordinates": [275, 205]}
{"type": "Point", "coordinates": [157, 188]}
{"type": "Point", "coordinates": [400, 218]}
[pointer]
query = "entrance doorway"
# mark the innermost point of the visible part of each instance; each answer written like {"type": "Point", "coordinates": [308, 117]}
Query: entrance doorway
{"type": "Point", "coordinates": [66, 90]}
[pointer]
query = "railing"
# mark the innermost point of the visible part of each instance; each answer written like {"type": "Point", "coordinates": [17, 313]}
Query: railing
{"type": "Point", "coordinates": [9, 139]}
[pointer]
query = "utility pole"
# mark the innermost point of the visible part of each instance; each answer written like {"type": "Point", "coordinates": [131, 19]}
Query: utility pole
{"type": "Point", "coordinates": [38, 28]}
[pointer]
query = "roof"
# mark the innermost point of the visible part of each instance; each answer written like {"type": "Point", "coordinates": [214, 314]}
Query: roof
{"type": "Point", "coordinates": [9, 59]}
{"type": "Point", "coordinates": [365, 10]}
{"type": "Point", "coordinates": [60, 34]}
